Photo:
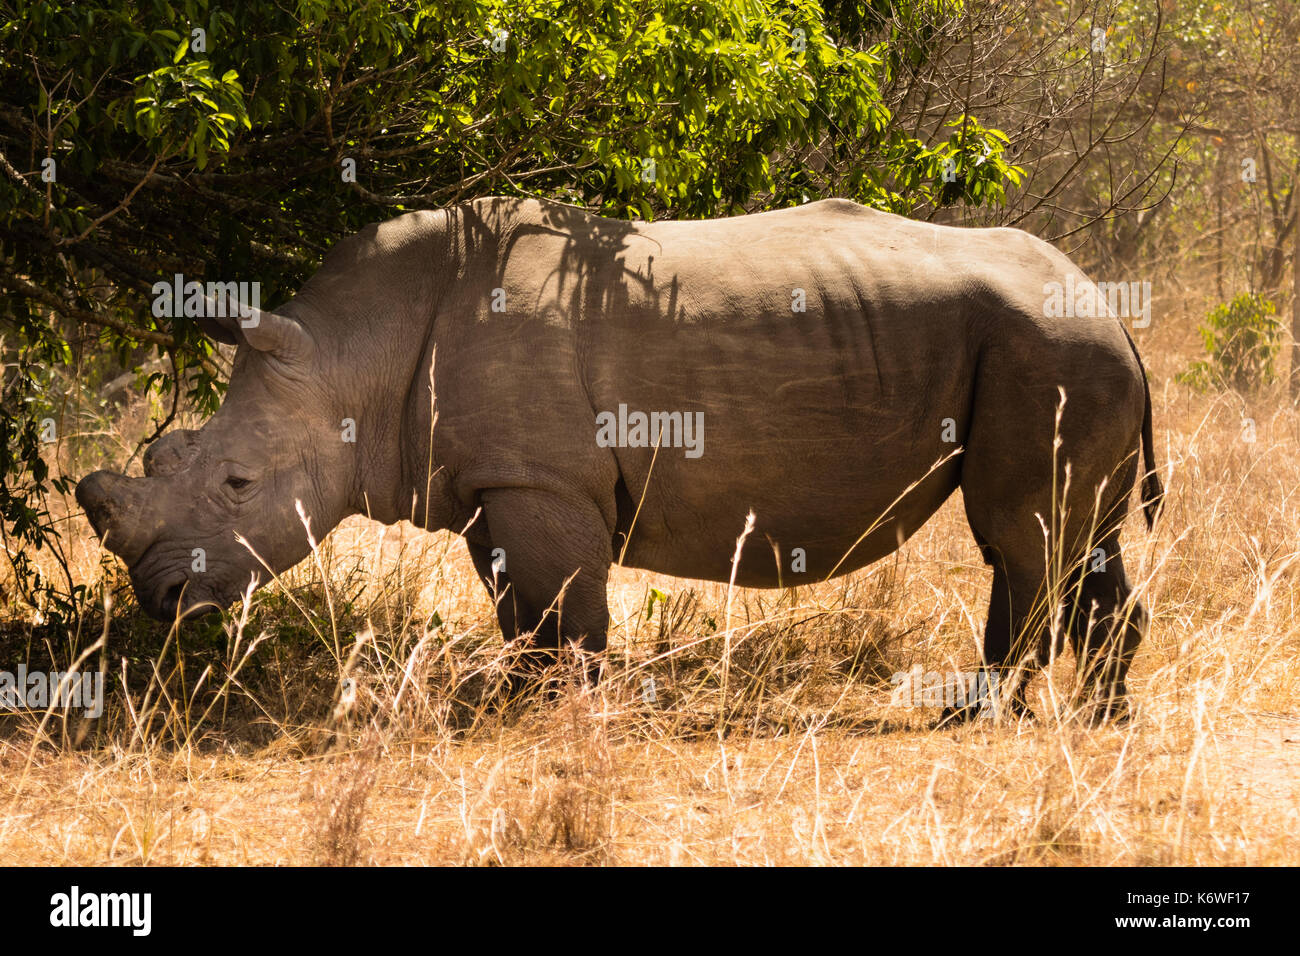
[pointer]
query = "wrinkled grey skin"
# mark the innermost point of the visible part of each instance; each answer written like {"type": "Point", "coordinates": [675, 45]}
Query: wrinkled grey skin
{"type": "Point", "coordinates": [817, 421]}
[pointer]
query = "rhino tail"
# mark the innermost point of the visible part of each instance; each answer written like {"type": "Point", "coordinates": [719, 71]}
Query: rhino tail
{"type": "Point", "coordinates": [1153, 491]}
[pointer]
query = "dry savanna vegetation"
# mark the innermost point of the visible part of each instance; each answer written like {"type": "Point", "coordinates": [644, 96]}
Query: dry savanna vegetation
{"type": "Point", "coordinates": [348, 715]}
{"type": "Point", "coordinates": [352, 711]}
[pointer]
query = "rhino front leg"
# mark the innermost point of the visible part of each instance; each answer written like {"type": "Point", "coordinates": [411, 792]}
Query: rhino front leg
{"type": "Point", "coordinates": [552, 555]}
{"type": "Point", "coordinates": [540, 639]}
{"type": "Point", "coordinates": [504, 596]}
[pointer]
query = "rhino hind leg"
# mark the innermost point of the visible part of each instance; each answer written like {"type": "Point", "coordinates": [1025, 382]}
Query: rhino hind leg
{"type": "Point", "coordinates": [1103, 622]}
{"type": "Point", "coordinates": [1105, 625]}
{"type": "Point", "coordinates": [1034, 475]}
{"type": "Point", "coordinates": [1015, 641]}
{"type": "Point", "coordinates": [550, 595]}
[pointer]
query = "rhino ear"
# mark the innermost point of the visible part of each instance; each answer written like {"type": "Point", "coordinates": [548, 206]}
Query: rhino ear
{"type": "Point", "coordinates": [214, 330]}
{"type": "Point", "coordinates": [259, 330]}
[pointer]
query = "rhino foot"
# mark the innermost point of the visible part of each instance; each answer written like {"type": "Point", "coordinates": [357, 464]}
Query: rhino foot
{"type": "Point", "coordinates": [1113, 710]}
{"type": "Point", "coordinates": [1015, 709]}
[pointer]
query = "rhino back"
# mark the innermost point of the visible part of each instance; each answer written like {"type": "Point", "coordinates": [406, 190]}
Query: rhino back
{"type": "Point", "coordinates": [828, 350]}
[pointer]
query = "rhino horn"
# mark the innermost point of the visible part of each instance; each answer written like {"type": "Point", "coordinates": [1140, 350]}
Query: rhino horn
{"type": "Point", "coordinates": [116, 508]}
{"type": "Point", "coordinates": [171, 453]}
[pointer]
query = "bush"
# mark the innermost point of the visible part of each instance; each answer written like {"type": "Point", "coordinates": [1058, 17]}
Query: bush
{"type": "Point", "coordinates": [1242, 338]}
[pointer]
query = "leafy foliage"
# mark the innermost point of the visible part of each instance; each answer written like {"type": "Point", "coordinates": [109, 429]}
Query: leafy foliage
{"type": "Point", "coordinates": [144, 138]}
{"type": "Point", "coordinates": [1242, 338]}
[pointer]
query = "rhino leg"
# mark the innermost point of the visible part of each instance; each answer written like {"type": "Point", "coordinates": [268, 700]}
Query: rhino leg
{"type": "Point", "coordinates": [503, 595]}
{"type": "Point", "coordinates": [1055, 428]}
{"type": "Point", "coordinates": [1105, 628]}
{"type": "Point", "coordinates": [557, 553]}
{"type": "Point", "coordinates": [537, 649]}
{"type": "Point", "coordinates": [1104, 625]}
{"type": "Point", "coordinates": [1016, 641]}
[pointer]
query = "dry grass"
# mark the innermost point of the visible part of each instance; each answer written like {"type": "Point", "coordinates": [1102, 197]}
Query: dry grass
{"type": "Point", "coordinates": [365, 735]}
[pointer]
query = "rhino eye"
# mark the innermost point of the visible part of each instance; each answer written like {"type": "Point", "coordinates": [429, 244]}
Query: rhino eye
{"type": "Point", "coordinates": [237, 483]}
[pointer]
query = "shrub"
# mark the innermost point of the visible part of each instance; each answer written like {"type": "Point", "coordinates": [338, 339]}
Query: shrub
{"type": "Point", "coordinates": [1242, 338]}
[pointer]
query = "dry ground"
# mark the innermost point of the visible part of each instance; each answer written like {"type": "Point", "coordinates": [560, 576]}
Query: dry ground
{"type": "Point", "coordinates": [274, 760]}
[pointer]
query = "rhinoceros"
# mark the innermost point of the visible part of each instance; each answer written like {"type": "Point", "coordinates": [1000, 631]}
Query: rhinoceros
{"type": "Point", "coordinates": [568, 391]}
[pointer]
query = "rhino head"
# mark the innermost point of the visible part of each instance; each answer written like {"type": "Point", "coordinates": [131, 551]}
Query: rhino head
{"type": "Point", "coordinates": [274, 445]}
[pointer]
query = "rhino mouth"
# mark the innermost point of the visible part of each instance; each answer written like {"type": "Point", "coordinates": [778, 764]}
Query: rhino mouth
{"type": "Point", "coordinates": [168, 602]}
{"type": "Point", "coordinates": [169, 597]}
{"type": "Point", "coordinates": [162, 600]}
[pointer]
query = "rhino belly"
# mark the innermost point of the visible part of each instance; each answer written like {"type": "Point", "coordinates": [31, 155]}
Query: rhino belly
{"type": "Point", "coordinates": [831, 487]}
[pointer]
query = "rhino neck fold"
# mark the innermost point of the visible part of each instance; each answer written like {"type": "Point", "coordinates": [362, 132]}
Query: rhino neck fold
{"type": "Point", "coordinates": [383, 362]}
